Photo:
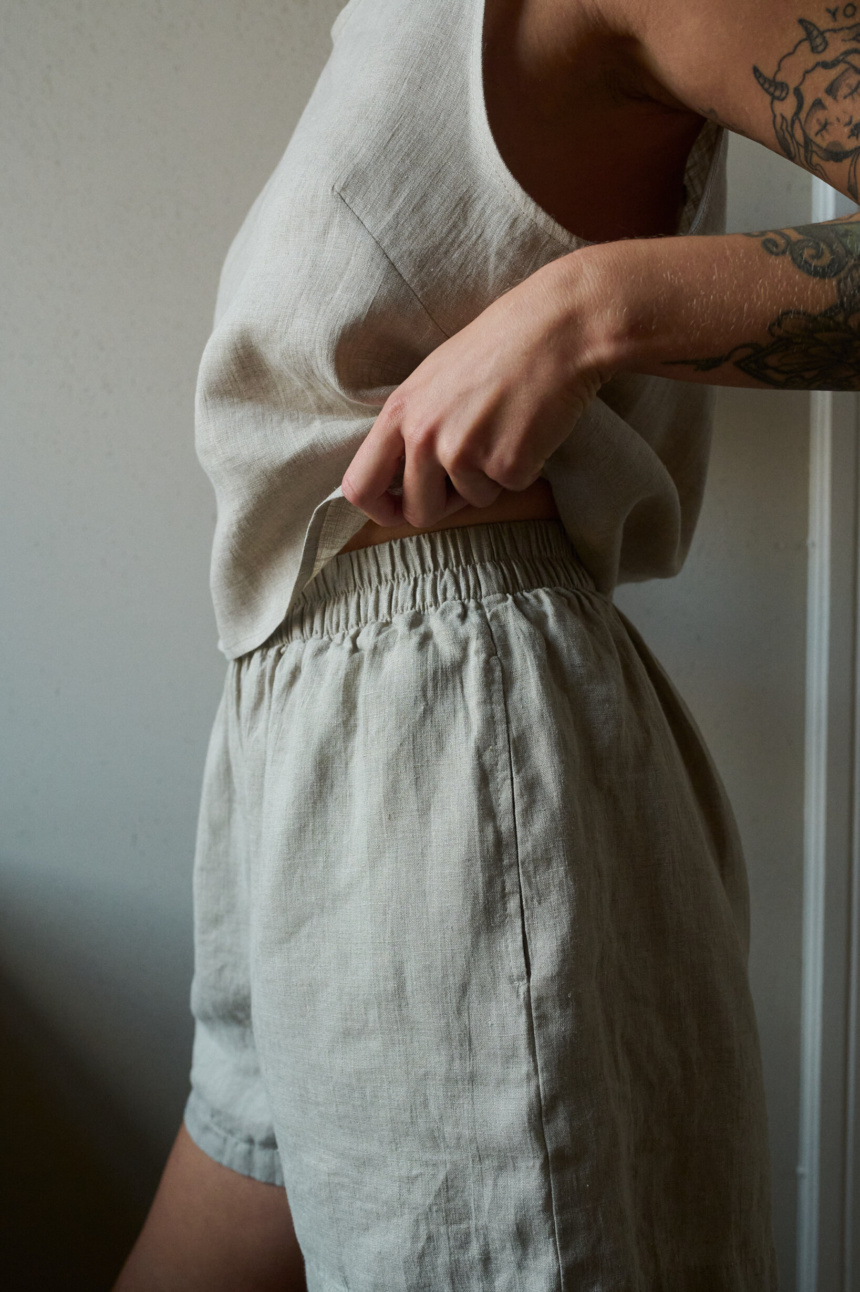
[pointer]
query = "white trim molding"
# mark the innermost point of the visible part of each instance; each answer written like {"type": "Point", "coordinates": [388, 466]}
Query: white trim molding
{"type": "Point", "coordinates": [828, 1235]}
{"type": "Point", "coordinates": [815, 838]}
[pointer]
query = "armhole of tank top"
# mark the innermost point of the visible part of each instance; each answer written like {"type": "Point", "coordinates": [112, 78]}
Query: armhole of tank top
{"type": "Point", "coordinates": [697, 212]}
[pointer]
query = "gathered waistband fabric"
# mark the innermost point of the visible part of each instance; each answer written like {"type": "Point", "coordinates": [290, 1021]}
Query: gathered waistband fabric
{"type": "Point", "coordinates": [463, 563]}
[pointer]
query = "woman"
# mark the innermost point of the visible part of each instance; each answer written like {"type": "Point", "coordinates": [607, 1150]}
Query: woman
{"type": "Point", "coordinates": [471, 911]}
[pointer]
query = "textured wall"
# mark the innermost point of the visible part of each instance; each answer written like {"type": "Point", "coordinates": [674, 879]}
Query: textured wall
{"type": "Point", "coordinates": [134, 137]}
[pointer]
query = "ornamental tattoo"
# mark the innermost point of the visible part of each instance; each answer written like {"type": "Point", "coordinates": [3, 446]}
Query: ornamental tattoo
{"type": "Point", "coordinates": [815, 100]}
{"type": "Point", "coordinates": [808, 351]}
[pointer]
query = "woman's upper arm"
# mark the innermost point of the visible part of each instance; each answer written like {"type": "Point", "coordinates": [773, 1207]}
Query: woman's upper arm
{"type": "Point", "coordinates": [784, 75]}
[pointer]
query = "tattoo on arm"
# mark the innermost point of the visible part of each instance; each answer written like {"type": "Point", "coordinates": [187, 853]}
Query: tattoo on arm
{"type": "Point", "coordinates": [815, 99]}
{"type": "Point", "coordinates": [808, 351]}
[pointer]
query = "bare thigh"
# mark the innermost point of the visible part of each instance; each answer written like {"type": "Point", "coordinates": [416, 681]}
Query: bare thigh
{"type": "Point", "coordinates": [212, 1230]}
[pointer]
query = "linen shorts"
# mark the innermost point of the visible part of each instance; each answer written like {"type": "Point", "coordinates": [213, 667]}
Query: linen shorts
{"type": "Point", "coordinates": [471, 935]}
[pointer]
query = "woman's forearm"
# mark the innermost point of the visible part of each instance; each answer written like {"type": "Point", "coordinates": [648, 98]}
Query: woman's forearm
{"type": "Point", "coordinates": [778, 309]}
{"type": "Point", "coordinates": [486, 409]}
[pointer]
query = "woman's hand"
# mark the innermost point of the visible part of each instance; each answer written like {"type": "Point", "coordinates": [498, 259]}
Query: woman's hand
{"type": "Point", "coordinates": [484, 410]}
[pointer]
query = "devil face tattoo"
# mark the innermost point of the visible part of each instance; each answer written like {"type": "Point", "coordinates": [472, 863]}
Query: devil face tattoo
{"type": "Point", "coordinates": [815, 100]}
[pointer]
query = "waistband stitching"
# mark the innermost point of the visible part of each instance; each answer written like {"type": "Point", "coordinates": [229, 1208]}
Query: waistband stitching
{"type": "Point", "coordinates": [411, 578]}
{"type": "Point", "coordinates": [421, 608]}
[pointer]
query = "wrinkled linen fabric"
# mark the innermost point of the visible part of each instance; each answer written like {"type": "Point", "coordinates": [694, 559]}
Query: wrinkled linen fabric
{"type": "Point", "coordinates": [472, 927]}
{"type": "Point", "coordinates": [389, 224]}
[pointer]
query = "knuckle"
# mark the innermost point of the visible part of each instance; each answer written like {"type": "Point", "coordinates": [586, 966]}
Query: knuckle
{"type": "Point", "coordinates": [420, 437]}
{"type": "Point", "coordinates": [470, 479]}
{"type": "Point", "coordinates": [459, 462]}
{"type": "Point", "coordinates": [473, 495]}
{"type": "Point", "coordinates": [477, 489]}
{"type": "Point", "coordinates": [462, 455]}
{"type": "Point", "coordinates": [417, 517]}
{"type": "Point", "coordinates": [514, 471]}
{"type": "Point", "coordinates": [393, 410]}
{"type": "Point", "coordinates": [510, 475]}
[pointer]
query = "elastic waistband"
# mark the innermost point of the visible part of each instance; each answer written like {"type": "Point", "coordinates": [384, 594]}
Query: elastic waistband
{"type": "Point", "coordinates": [463, 563]}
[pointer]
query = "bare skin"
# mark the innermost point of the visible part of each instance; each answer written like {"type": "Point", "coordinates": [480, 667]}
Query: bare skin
{"type": "Point", "coordinates": [534, 503]}
{"type": "Point", "coordinates": [212, 1230]}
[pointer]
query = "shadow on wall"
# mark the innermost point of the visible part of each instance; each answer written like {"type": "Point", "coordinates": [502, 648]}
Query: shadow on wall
{"type": "Point", "coordinates": [95, 1037]}
{"type": "Point", "coordinates": [69, 1216]}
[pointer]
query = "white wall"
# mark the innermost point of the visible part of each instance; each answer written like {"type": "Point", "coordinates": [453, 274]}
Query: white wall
{"type": "Point", "coordinates": [134, 137]}
{"type": "Point", "coordinates": [731, 631]}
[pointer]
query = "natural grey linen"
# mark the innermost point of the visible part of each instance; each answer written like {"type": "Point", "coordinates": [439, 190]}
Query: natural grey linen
{"type": "Point", "coordinates": [389, 224]}
{"type": "Point", "coordinates": [471, 931]}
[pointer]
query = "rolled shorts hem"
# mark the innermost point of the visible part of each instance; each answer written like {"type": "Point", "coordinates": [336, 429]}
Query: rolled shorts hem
{"type": "Point", "coordinates": [248, 1157]}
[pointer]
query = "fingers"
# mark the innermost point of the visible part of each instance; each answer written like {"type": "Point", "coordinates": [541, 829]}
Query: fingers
{"type": "Point", "coordinates": [474, 486]}
{"type": "Point", "coordinates": [425, 491]}
{"type": "Point", "coordinates": [431, 493]}
{"type": "Point", "coordinates": [432, 489]}
{"type": "Point", "coordinates": [373, 469]}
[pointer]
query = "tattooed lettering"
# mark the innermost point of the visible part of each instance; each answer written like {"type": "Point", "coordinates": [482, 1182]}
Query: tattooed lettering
{"type": "Point", "coordinates": [808, 351]}
{"type": "Point", "coordinates": [815, 100]}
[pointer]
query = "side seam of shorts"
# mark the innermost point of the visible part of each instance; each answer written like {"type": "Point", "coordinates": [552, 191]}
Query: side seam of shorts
{"type": "Point", "coordinates": [503, 726]}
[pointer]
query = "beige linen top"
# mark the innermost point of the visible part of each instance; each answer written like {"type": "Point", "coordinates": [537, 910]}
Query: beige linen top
{"type": "Point", "coordinates": [391, 222]}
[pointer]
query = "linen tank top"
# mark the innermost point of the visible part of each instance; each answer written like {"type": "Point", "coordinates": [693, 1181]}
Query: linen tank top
{"type": "Point", "coordinates": [390, 222]}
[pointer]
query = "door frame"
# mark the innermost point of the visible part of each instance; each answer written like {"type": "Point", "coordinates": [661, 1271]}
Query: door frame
{"type": "Point", "coordinates": [828, 1170]}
